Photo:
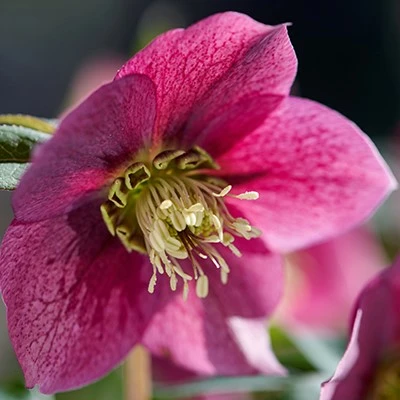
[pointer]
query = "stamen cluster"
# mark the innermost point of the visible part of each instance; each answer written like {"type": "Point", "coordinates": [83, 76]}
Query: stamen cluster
{"type": "Point", "coordinates": [174, 210]}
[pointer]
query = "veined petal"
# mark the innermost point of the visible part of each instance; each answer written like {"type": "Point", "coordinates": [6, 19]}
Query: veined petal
{"type": "Point", "coordinates": [234, 123]}
{"type": "Point", "coordinates": [186, 64]}
{"type": "Point", "coordinates": [245, 293]}
{"type": "Point", "coordinates": [317, 175]}
{"type": "Point", "coordinates": [92, 142]}
{"type": "Point", "coordinates": [253, 88]}
{"type": "Point", "coordinates": [76, 301]}
{"type": "Point", "coordinates": [198, 335]}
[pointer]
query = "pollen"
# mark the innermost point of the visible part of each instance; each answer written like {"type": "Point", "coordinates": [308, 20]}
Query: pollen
{"type": "Point", "coordinates": [172, 209]}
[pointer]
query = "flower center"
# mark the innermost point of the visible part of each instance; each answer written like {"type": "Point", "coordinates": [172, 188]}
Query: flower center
{"type": "Point", "coordinates": [386, 385]}
{"type": "Point", "coordinates": [172, 210]}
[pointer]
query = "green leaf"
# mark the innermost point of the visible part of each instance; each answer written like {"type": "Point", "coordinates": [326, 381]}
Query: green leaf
{"type": "Point", "coordinates": [219, 385]}
{"type": "Point", "coordinates": [16, 391]}
{"type": "Point", "coordinates": [108, 388]}
{"type": "Point", "coordinates": [8, 396]}
{"type": "Point", "coordinates": [305, 387]}
{"type": "Point", "coordinates": [10, 175]}
{"type": "Point", "coordinates": [324, 353]}
{"type": "Point", "coordinates": [287, 352]}
{"type": "Point", "coordinates": [17, 142]}
{"type": "Point", "coordinates": [16, 145]}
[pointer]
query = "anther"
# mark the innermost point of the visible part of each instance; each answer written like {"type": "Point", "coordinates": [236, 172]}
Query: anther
{"type": "Point", "coordinates": [173, 281]}
{"type": "Point", "coordinates": [178, 221]}
{"type": "Point", "coordinates": [223, 192]}
{"type": "Point", "coordinates": [153, 281]}
{"type": "Point", "coordinates": [202, 286]}
{"type": "Point", "coordinates": [224, 276]}
{"type": "Point", "coordinates": [166, 204]}
{"type": "Point", "coordinates": [185, 290]}
{"type": "Point", "coordinates": [248, 196]}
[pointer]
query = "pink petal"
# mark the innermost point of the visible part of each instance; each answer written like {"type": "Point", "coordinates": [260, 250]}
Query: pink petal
{"type": "Point", "coordinates": [197, 334]}
{"type": "Point", "coordinates": [186, 64]}
{"type": "Point", "coordinates": [92, 143]}
{"type": "Point", "coordinates": [245, 293]}
{"type": "Point", "coordinates": [355, 388]}
{"type": "Point", "coordinates": [316, 172]}
{"type": "Point", "coordinates": [77, 301]}
{"type": "Point", "coordinates": [237, 121]}
{"type": "Point", "coordinates": [326, 279]}
{"type": "Point", "coordinates": [256, 345]}
{"type": "Point", "coordinates": [375, 335]}
{"type": "Point", "coordinates": [237, 104]}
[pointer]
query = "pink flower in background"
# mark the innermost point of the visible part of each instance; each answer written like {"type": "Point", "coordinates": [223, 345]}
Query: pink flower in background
{"type": "Point", "coordinates": [134, 225]}
{"type": "Point", "coordinates": [94, 72]}
{"type": "Point", "coordinates": [370, 368]}
{"type": "Point", "coordinates": [325, 280]}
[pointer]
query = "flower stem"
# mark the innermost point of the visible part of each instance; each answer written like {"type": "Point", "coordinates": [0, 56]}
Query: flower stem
{"type": "Point", "coordinates": [137, 376]}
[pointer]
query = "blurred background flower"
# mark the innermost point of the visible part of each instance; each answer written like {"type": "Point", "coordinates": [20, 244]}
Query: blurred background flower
{"type": "Point", "coordinates": [52, 54]}
{"type": "Point", "coordinates": [323, 281]}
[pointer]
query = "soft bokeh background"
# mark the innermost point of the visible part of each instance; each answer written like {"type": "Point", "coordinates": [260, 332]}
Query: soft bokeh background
{"type": "Point", "coordinates": [52, 53]}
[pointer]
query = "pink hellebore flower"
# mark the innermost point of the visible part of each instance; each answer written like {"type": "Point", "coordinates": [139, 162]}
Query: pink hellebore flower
{"type": "Point", "coordinates": [370, 367]}
{"type": "Point", "coordinates": [325, 280]}
{"type": "Point", "coordinates": [133, 195]}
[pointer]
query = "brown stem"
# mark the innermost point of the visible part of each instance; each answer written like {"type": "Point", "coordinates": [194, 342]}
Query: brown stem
{"type": "Point", "coordinates": [137, 376]}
